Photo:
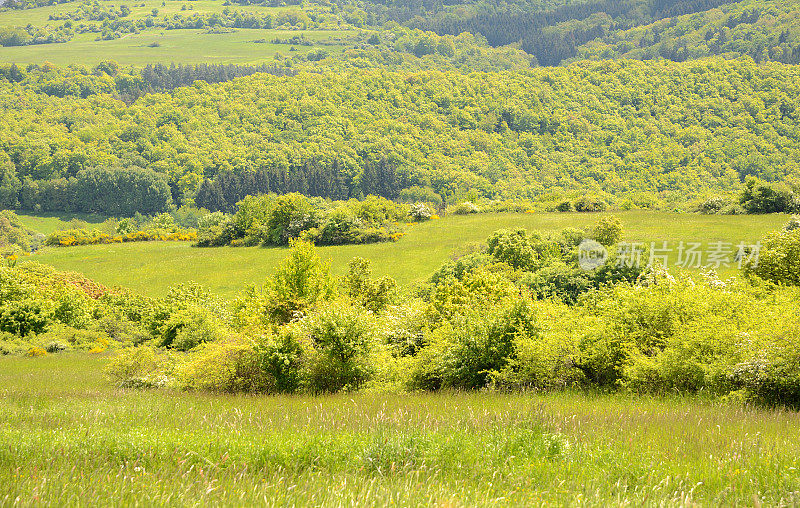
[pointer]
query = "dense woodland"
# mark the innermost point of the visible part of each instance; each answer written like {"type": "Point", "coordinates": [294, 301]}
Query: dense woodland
{"type": "Point", "coordinates": [647, 132]}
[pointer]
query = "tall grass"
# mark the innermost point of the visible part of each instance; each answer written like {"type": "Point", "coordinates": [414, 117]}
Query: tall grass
{"type": "Point", "coordinates": [68, 438]}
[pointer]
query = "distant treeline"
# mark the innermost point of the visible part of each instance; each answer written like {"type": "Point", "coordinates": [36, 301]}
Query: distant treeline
{"type": "Point", "coordinates": [130, 83]}
{"type": "Point", "coordinates": [111, 191]}
{"type": "Point", "coordinates": [160, 77]}
{"type": "Point", "coordinates": [312, 178]}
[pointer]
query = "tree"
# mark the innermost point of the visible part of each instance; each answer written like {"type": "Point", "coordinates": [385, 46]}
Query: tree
{"type": "Point", "coordinates": [608, 230]}
{"type": "Point", "coordinates": [300, 282]}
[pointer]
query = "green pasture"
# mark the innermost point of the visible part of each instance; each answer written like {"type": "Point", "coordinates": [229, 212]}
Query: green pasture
{"type": "Point", "coordinates": [139, 10]}
{"type": "Point", "coordinates": [179, 46]}
{"type": "Point", "coordinates": [47, 223]}
{"type": "Point", "coordinates": [68, 437]}
{"type": "Point", "coordinates": [151, 268]}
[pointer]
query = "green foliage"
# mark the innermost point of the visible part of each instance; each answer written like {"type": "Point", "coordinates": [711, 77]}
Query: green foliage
{"type": "Point", "coordinates": [278, 220]}
{"type": "Point", "coordinates": [513, 143]}
{"type": "Point", "coordinates": [778, 258]}
{"type": "Point", "coordinates": [374, 294]}
{"type": "Point", "coordinates": [590, 204]}
{"type": "Point", "coordinates": [223, 366]}
{"type": "Point", "coordinates": [141, 366]}
{"type": "Point", "coordinates": [300, 282]}
{"type": "Point", "coordinates": [762, 197]}
{"type": "Point", "coordinates": [608, 230]}
{"type": "Point", "coordinates": [339, 340]}
{"type": "Point", "coordinates": [513, 248]}
{"type": "Point", "coordinates": [15, 238]}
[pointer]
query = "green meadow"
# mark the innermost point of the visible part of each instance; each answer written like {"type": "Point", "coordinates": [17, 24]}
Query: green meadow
{"type": "Point", "coordinates": [68, 437]}
{"type": "Point", "coordinates": [47, 223]}
{"type": "Point", "coordinates": [184, 46]}
{"type": "Point", "coordinates": [158, 45]}
{"type": "Point", "coordinates": [152, 267]}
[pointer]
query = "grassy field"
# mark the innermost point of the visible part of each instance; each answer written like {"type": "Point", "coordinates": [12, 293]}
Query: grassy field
{"type": "Point", "coordinates": [68, 438]}
{"type": "Point", "coordinates": [179, 46]}
{"type": "Point", "coordinates": [47, 223]}
{"type": "Point", "coordinates": [152, 267]}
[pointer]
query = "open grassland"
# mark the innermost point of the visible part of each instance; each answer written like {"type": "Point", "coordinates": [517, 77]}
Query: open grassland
{"type": "Point", "coordinates": [156, 44]}
{"type": "Point", "coordinates": [178, 46]}
{"type": "Point", "coordinates": [139, 10]}
{"type": "Point", "coordinates": [151, 268]}
{"type": "Point", "coordinates": [47, 223]}
{"type": "Point", "coordinates": [67, 437]}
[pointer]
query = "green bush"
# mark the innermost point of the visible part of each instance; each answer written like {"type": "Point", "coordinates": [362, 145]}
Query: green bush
{"type": "Point", "coordinates": [557, 280]}
{"type": "Point", "coordinates": [280, 358]}
{"type": "Point", "coordinates": [590, 204]}
{"type": "Point", "coordinates": [231, 365]}
{"type": "Point", "coordinates": [373, 294]}
{"type": "Point", "coordinates": [465, 208]}
{"type": "Point", "coordinates": [475, 347]}
{"type": "Point", "coordinates": [514, 248]}
{"type": "Point", "coordinates": [301, 281]}
{"type": "Point", "coordinates": [608, 230]}
{"type": "Point", "coordinates": [712, 205]}
{"type": "Point", "coordinates": [420, 212]}
{"type": "Point", "coordinates": [778, 258]}
{"type": "Point", "coordinates": [339, 341]}
{"type": "Point", "coordinates": [763, 197]}
{"type": "Point", "coordinates": [141, 366]}
{"type": "Point", "coordinates": [25, 316]}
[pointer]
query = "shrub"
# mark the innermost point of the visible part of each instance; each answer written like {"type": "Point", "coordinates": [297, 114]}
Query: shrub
{"type": "Point", "coordinates": [216, 230]}
{"type": "Point", "coordinates": [608, 230]}
{"type": "Point", "coordinates": [231, 365]}
{"type": "Point", "coordinates": [513, 247]}
{"type": "Point", "coordinates": [464, 208]}
{"type": "Point", "coordinates": [475, 346]}
{"type": "Point", "coordinates": [35, 352]}
{"type": "Point", "coordinates": [190, 327]}
{"type": "Point", "coordinates": [140, 366]}
{"type": "Point", "coordinates": [794, 223]}
{"type": "Point", "coordinates": [340, 227]}
{"type": "Point", "coordinates": [564, 206]}
{"type": "Point", "coordinates": [420, 212]}
{"type": "Point", "coordinates": [762, 197]}
{"type": "Point", "coordinates": [339, 339]}
{"type": "Point", "coordinates": [24, 316]}
{"type": "Point", "coordinates": [778, 258]}
{"type": "Point", "coordinates": [590, 204]}
{"type": "Point", "coordinates": [557, 280]}
{"type": "Point", "coordinates": [713, 205]}
{"type": "Point", "coordinates": [280, 358]}
{"type": "Point", "coordinates": [772, 382]}
{"type": "Point", "coordinates": [373, 294]}
{"type": "Point", "coordinates": [733, 209]}
{"type": "Point", "coordinates": [416, 194]}
{"type": "Point", "coordinates": [547, 359]}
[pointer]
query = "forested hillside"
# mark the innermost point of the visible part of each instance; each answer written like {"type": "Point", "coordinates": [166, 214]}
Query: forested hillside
{"type": "Point", "coordinates": [555, 31]}
{"type": "Point", "coordinates": [547, 32]}
{"type": "Point", "coordinates": [647, 131]}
